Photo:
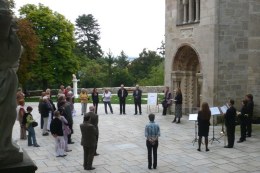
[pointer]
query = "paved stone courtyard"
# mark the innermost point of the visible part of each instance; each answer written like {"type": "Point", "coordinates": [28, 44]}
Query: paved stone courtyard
{"type": "Point", "coordinates": [122, 147]}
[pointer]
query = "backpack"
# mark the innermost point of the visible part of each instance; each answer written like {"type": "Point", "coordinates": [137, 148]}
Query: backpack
{"type": "Point", "coordinates": [25, 118]}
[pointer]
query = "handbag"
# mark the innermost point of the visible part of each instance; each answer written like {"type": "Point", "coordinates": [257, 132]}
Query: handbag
{"type": "Point", "coordinates": [67, 129]}
{"type": "Point", "coordinates": [34, 124]}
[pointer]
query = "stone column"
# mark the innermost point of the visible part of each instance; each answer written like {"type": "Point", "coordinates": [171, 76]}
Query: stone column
{"type": "Point", "coordinates": [191, 14]}
{"type": "Point", "coordinates": [185, 4]}
{"type": "Point", "coordinates": [197, 17]}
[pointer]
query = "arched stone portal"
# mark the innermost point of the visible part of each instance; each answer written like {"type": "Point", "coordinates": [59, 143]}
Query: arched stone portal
{"type": "Point", "coordinates": [186, 74]}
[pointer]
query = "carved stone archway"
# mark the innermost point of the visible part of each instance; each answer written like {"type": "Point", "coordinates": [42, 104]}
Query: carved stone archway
{"type": "Point", "coordinates": [186, 74]}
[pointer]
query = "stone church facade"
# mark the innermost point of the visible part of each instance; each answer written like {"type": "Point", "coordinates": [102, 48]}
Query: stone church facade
{"type": "Point", "coordinates": [213, 51]}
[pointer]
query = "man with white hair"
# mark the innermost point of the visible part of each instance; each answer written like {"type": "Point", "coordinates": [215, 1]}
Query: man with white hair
{"type": "Point", "coordinates": [45, 109]}
{"type": "Point", "coordinates": [137, 94]}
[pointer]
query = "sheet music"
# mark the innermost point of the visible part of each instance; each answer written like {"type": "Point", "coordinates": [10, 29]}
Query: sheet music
{"type": "Point", "coordinates": [224, 109]}
{"type": "Point", "coordinates": [215, 111]}
{"type": "Point", "coordinates": [193, 117]}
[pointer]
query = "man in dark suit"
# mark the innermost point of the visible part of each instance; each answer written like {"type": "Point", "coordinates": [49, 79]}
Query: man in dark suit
{"type": "Point", "coordinates": [122, 94]}
{"type": "Point", "coordinates": [250, 109]}
{"type": "Point", "coordinates": [88, 141]}
{"type": "Point", "coordinates": [137, 94]}
{"type": "Point", "coordinates": [94, 122]}
{"type": "Point", "coordinates": [68, 113]}
{"type": "Point", "coordinates": [230, 122]}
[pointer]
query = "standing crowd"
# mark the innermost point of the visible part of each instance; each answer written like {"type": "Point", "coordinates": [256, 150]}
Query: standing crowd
{"type": "Point", "coordinates": [58, 120]}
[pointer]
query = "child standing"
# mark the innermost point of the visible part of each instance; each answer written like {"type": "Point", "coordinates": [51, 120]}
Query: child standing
{"type": "Point", "coordinates": [30, 127]}
{"type": "Point", "coordinates": [57, 133]}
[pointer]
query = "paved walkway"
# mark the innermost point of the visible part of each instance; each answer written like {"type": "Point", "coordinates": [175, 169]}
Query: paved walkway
{"type": "Point", "coordinates": [122, 147]}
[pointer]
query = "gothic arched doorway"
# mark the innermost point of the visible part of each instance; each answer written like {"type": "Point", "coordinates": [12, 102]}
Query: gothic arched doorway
{"type": "Point", "coordinates": [186, 74]}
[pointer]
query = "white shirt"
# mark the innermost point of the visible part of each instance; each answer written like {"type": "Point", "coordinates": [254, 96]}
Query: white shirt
{"type": "Point", "coordinates": [107, 96]}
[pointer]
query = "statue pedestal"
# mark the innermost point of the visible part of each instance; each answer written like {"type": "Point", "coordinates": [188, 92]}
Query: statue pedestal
{"type": "Point", "coordinates": [75, 88]}
{"type": "Point", "coordinates": [26, 166]}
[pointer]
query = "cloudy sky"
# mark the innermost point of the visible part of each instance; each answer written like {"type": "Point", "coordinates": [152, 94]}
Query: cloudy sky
{"type": "Point", "coordinates": [128, 25]}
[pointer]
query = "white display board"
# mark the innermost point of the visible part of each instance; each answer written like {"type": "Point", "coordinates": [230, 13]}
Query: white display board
{"type": "Point", "coordinates": [224, 109]}
{"type": "Point", "coordinates": [152, 99]}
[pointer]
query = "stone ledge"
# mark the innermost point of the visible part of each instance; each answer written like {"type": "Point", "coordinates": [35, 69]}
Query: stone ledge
{"type": "Point", "coordinates": [26, 166]}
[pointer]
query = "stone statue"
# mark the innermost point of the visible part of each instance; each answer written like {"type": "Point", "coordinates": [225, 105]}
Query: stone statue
{"type": "Point", "coordinates": [74, 77]}
{"type": "Point", "coordinates": [10, 52]}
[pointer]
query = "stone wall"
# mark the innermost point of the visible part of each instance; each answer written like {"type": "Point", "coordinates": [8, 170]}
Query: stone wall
{"type": "Point", "coordinates": [233, 51]}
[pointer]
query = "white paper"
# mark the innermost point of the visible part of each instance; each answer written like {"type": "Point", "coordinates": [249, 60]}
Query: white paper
{"type": "Point", "coordinates": [224, 109]}
{"type": "Point", "coordinates": [193, 117]}
{"type": "Point", "coordinates": [152, 99]}
{"type": "Point", "coordinates": [215, 111]}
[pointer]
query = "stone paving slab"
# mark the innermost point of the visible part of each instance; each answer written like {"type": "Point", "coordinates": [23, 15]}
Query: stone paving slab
{"type": "Point", "coordinates": [122, 147]}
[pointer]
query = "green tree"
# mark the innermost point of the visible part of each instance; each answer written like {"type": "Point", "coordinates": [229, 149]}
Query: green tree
{"type": "Point", "coordinates": [141, 67]}
{"type": "Point", "coordinates": [87, 36]}
{"type": "Point", "coordinates": [92, 75]}
{"type": "Point", "coordinates": [110, 61]}
{"type": "Point", "coordinates": [122, 60]}
{"type": "Point", "coordinates": [56, 62]}
{"type": "Point", "coordinates": [155, 77]}
{"type": "Point", "coordinates": [122, 76]}
{"type": "Point", "coordinates": [30, 42]}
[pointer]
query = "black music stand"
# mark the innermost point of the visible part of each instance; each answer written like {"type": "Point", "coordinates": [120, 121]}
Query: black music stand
{"type": "Point", "coordinates": [193, 117]}
{"type": "Point", "coordinates": [214, 112]}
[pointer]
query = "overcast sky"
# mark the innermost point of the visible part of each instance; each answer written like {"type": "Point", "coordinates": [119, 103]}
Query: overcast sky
{"type": "Point", "coordinates": [128, 25]}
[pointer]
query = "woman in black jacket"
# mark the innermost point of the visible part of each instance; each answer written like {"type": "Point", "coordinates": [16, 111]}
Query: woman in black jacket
{"type": "Point", "coordinates": [95, 99]}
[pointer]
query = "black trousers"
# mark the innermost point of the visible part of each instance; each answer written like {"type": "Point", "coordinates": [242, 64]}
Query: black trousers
{"type": "Point", "coordinates": [122, 106]}
{"type": "Point", "coordinates": [164, 110]}
{"type": "Point", "coordinates": [42, 121]}
{"type": "Point", "coordinates": [243, 125]}
{"type": "Point", "coordinates": [96, 106]}
{"type": "Point", "coordinates": [231, 135]}
{"type": "Point", "coordinates": [88, 156]}
{"type": "Point", "coordinates": [152, 149]}
{"type": "Point", "coordinates": [138, 104]}
{"type": "Point", "coordinates": [69, 136]}
{"type": "Point", "coordinates": [249, 125]}
{"type": "Point", "coordinates": [96, 144]}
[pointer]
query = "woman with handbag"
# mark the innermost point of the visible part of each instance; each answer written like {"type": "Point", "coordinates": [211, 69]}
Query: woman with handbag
{"type": "Point", "coordinates": [30, 124]}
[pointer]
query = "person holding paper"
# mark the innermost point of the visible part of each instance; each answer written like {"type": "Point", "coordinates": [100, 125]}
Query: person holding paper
{"type": "Point", "coordinates": [230, 122]}
{"type": "Point", "coordinates": [203, 122]}
{"type": "Point", "coordinates": [178, 105]}
{"type": "Point", "coordinates": [167, 102]}
{"type": "Point", "coordinates": [243, 121]}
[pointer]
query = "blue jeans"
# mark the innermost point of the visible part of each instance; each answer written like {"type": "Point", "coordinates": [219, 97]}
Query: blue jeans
{"type": "Point", "coordinates": [31, 136]}
{"type": "Point", "coordinates": [110, 107]}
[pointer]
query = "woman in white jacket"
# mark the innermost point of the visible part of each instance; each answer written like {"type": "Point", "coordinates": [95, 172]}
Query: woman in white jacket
{"type": "Point", "coordinates": [106, 99]}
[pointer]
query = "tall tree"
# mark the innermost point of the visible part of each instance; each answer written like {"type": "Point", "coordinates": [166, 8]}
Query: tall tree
{"type": "Point", "coordinates": [110, 60]}
{"type": "Point", "coordinates": [141, 67]}
{"type": "Point", "coordinates": [56, 62]}
{"type": "Point", "coordinates": [87, 36]}
{"type": "Point", "coordinates": [29, 41]}
{"type": "Point", "coordinates": [122, 60]}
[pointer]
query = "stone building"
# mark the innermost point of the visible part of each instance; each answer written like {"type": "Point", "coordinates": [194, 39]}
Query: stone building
{"type": "Point", "coordinates": [213, 51]}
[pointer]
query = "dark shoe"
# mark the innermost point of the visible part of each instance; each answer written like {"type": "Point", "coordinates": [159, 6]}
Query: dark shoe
{"type": "Point", "coordinates": [240, 141]}
{"type": "Point", "coordinates": [207, 149]}
{"type": "Point", "coordinates": [248, 136]}
{"type": "Point", "coordinates": [96, 154]}
{"type": "Point", "coordinates": [198, 149]}
{"type": "Point", "coordinates": [92, 168]}
{"type": "Point", "coordinates": [68, 150]}
{"type": "Point", "coordinates": [36, 145]}
{"type": "Point", "coordinates": [174, 120]}
{"type": "Point", "coordinates": [63, 155]}
{"type": "Point", "coordinates": [141, 113]}
{"type": "Point", "coordinates": [71, 142]}
{"type": "Point", "coordinates": [45, 134]}
{"type": "Point", "coordinates": [149, 167]}
{"type": "Point", "coordinates": [227, 147]}
{"type": "Point", "coordinates": [124, 113]}
{"type": "Point", "coordinates": [135, 114]}
{"type": "Point", "coordinates": [29, 145]}
{"type": "Point", "coordinates": [154, 167]}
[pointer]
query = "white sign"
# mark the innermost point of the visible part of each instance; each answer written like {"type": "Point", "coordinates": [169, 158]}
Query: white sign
{"type": "Point", "coordinates": [152, 99]}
